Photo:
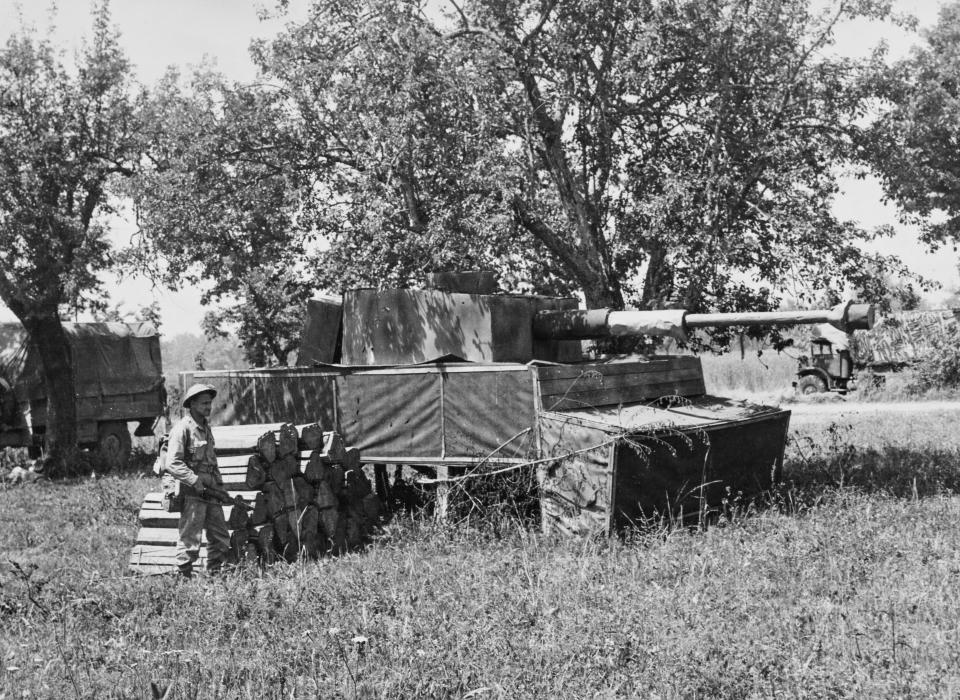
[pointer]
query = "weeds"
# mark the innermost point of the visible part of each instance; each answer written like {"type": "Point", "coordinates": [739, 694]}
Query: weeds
{"type": "Point", "coordinates": [850, 589]}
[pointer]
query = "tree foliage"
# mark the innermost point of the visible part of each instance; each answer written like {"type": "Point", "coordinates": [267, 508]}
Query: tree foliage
{"type": "Point", "coordinates": [914, 145]}
{"type": "Point", "coordinates": [65, 133]}
{"type": "Point", "coordinates": [657, 153]}
{"type": "Point", "coordinates": [645, 152]}
{"type": "Point", "coordinates": [215, 213]}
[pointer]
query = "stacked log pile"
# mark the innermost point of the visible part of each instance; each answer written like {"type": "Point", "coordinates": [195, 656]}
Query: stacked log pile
{"type": "Point", "coordinates": [309, 495]}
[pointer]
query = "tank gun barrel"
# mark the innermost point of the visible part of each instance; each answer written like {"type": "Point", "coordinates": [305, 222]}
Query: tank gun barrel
{"type": "Point", "coordinates": [582, 324]}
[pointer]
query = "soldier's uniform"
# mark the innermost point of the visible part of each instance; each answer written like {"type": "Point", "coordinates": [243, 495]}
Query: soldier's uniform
{"type": "Point", "coordinates": [191, 459]}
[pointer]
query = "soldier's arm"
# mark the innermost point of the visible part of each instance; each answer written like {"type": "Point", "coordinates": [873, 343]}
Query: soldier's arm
{"type": "Point", "coordinates": [177, 465]}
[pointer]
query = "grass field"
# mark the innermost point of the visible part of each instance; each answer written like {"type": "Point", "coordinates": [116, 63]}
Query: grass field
{"type": "Point", "coordinates": [769, 376]}
{"type": "Point", "coordinates": [843, 582]}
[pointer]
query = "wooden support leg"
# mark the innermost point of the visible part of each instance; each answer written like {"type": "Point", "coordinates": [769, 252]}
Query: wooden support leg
{"type": "Point", "coordinates": [381, 482]}
{"type": "Point", "coordinates": [443, 494]}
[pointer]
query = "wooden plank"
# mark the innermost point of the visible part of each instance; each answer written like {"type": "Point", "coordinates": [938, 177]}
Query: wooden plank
{"type": "Point", "coordinates": [659, 364]}
{"type": "Point", "coordinates": [610, 397]}
{"type": "Point", "coordinates": [150, 560]}
{"type": "Point", "coordinates": [690, 386]}
{"type": "Point", "coordinates": [163, 536]}
{"type": "Point", "coordinates": [152, 569]}
{"type": "Point", "coordinates": [157, 550]}
{"type": "Point", "coordinates": [553, 387]}
{"type": "Point", "coordinates": [155, 517]}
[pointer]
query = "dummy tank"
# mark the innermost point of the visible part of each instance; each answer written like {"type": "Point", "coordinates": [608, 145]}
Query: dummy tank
{"type": "Point", "coordinates": [456, 377]}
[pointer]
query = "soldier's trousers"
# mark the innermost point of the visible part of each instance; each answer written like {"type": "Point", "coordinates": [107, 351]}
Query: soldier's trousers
{"type": "Point", "coordinates": [199, 515]}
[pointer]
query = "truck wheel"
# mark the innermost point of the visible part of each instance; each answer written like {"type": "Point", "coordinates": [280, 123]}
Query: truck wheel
{"type": "Point", "coordinates": [811, 384]}
{"type": "Point", "coordinates": [114, 444]}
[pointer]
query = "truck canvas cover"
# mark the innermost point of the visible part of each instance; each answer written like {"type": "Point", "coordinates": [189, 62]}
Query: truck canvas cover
{"type": "Point", "coordinates": [108, 359]}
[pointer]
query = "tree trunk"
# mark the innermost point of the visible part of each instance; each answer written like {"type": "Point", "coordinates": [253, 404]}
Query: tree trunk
{"type": "Point", "coordinates": [48, 336]}
{"type": "Point", "coordinates": [600, 293]}
{"type": "Point", "coordinates": [658, 280]}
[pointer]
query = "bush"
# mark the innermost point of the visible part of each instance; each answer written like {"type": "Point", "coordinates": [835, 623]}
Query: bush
{"type": "Point", "coordinates": [940, 368]}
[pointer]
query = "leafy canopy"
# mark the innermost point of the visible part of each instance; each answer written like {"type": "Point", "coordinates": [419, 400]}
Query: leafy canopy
{"type": "Point", "coordinates": [915, 143]}
{"type": "Point", "coordinates": [65, 133]}
{"type": "Point", "coordinates": [646, 152]}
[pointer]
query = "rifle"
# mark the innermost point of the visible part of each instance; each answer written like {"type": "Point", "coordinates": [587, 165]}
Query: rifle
{"type": "Point", "coordinates": [221, 496]}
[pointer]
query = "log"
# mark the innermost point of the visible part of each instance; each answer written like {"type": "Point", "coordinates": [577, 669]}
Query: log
{"type": "Point", "coordinates": [251, 552]}
{"type": "Point", "coordinates": [336, 478]}
{"type": "Point", "coordinates": [324, 496]}
{"type": "Point", "coordinates": [329, 517]}
{"type": "Point", "coordinates": [267, 447]}
{"type": "Point", "coordinates": [356, 485]}
{"type": "Point", "coordinates": [261, 513]}
{"type": "Point", "coordinates": [288, 441]}
{"type": "Point", "coordinates": [285, 467]}
{"type": "Point", "coordinates": [266, 545]}
{"type": "Point", "coordinates": [310, 539]}
{"type": "Point", "coordinates": [297, 493]}
{"type": "Point", "coordinates": [339, 544]}
{"type": "Point", "coordinates": [351, 458]}
{"type": "Point", "coordinates": [333, 447]}
{"type": "Point", "coordinates": [238, 520]}
{"type": "Point", "coordinates": [315, 469]}
{"type": "Point", "coordinates": [238, 545]}
{"type": "Point", "coordinates": [274, 493]}
{"type": "Point", "coordinates": [311, 436]}
{"type": "Point", "coordinates": [256, 472]}
{"type": "Point", "coordinates": [372, 507]}
{"type": "Point", "coordinates": [354, 531]}
{"type": "Point", "coordinates": [281, 531]}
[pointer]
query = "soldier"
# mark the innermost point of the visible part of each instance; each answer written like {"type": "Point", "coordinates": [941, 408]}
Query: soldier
{"type": "Point", "coordinates": [191, 461]}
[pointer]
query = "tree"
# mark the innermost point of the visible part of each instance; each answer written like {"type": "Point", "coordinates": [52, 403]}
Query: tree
{"type": "Point", "coordinates": [213, 211]}
{"type": "Point", "coordinates": [913, 145]}
{"type": "Point", "coordinates": [658, 153]}
{"type": "Point", "coordinates": [64, 134]}
{"type": "Point", "coordinates": [646, 152]}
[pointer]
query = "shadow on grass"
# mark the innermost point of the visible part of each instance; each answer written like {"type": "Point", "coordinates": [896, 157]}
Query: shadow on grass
{"type": "Point", "coordinates": [890, 470]}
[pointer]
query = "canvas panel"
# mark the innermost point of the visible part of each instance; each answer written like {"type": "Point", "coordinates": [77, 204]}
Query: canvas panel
{"type": "Point", "coordinates": [409, 326]}
{"type": "Point", "coordinates": [683, 474]}
{"type": "Point", "coordinates": [575, 488]}
{"type": "Point", "coordinates": [391, 414]}
{"type": "Point", "coordinates": [320, 339]}
{"type": "Point", "coordinates": [109, 359]}
{"type": "Point", "coordinates": [484, 412]}
{"type": "Point", "coordinates": [279, 395]}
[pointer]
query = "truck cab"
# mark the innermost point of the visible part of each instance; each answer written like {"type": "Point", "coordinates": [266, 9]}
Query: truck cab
{"type": "Point", "coordinates": [826, 369]}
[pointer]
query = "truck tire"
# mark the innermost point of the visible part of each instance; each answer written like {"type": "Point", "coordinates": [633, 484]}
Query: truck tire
{"type": "Point", "coordinates": [114, 444]}
{"type": "Point", "coordinates": [811, 384]}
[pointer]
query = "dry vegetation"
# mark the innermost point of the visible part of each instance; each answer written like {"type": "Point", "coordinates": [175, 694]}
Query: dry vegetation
{"type": "Point", "coordinates": [768, 376]}
{"type": "Point", "coordinates": [843, 582]}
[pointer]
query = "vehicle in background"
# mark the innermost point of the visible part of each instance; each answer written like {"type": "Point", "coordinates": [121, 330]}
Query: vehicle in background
{"type": "Point", "coordinates": [118, 378]}
{"type": "Point", "coordinates": [897, 341]}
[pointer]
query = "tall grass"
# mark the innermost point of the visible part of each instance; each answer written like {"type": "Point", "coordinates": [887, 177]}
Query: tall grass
{"type": "Point", "coordinates": [843, 583]}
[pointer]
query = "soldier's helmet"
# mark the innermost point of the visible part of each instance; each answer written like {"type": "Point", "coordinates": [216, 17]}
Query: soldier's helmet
{"type": "Point", "coordinates": [195, 390]}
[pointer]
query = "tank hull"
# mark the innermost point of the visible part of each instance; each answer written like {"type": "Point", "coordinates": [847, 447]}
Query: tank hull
{"type": "Point", "coordinates": [608, 447]}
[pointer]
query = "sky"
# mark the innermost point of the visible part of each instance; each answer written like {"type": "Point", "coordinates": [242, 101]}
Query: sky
{"type": "Point", "coordinates": [160, 33]}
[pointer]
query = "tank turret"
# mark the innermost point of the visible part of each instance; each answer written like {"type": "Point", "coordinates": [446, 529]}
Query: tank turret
{"type": "Point", "coordinates": [410, 326]}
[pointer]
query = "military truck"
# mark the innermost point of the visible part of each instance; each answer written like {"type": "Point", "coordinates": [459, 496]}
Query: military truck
{"type": "Point", "coordinates": [897, 341]}
{"type": "Point", "coordinates": [118, 378]}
